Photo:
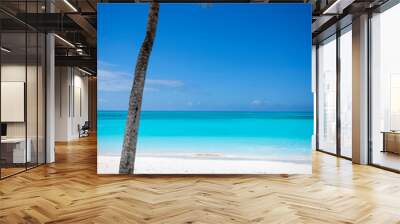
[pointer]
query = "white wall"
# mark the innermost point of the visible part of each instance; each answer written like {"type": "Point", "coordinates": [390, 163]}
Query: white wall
{"type": "Point", "coordinates": [79, 117]}
{"type": "Point", "coordinates": [62, 81]}
{"type": "Point", "coordinates": [71, 87]}
{"type": "Point", "coordinates": [14, 72]}
{"type": "Point", "coordinates": [17, 73]}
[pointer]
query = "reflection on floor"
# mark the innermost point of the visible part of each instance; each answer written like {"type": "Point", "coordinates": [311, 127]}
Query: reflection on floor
{"type": "Point", "coordinates": [10, 169]}
{"type": "Point", "coordinates": [387, 159]}
{"type": "Point", "coordinates": [70, 191]}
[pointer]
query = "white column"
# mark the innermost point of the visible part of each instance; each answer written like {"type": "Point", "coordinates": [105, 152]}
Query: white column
{"type": "Point", "coordinates": [50, 98]}
{"type": "Point", "coordinates": [360, 90]}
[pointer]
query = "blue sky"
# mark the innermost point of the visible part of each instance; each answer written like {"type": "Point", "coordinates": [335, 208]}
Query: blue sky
{"type": "Point", "coordinates": [221, 57]}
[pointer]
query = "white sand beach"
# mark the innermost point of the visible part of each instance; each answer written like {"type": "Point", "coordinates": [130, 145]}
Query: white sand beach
{"type": "Point", "coordinates": [204, 164]}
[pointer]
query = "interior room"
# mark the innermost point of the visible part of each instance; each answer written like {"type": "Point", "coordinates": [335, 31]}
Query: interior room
{"type": "Point", "coordinates": [27, 59]}
{"type": "Point", "coordinates": [49, 145]}
{"type": "Point", "coordinates": [22, 101]}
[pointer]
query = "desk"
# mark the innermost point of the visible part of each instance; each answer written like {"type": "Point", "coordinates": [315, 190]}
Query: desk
{"type": "Point", "coordinates": [13, 150]}
{"type": "Point", "coordinates": [391, 141]}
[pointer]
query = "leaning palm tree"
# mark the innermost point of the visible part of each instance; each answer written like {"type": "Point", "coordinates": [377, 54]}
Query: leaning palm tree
{"type": "Point", "coordinates": [128, 153]}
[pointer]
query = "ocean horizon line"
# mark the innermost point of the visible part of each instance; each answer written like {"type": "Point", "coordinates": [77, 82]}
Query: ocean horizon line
{"type": "Point", "coordinates": [261, 111]}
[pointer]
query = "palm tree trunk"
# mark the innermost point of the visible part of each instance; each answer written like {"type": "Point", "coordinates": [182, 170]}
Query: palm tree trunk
{"type": "Point", "coordinates": [128, 153]}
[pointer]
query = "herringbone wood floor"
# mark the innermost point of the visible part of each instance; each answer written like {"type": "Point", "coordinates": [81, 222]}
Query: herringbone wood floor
{"type": "Point", "coordinates": [70, 191]}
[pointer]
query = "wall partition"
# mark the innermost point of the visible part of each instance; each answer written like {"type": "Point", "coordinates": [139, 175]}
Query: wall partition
{"type": "Point", "coordinates": [14, 153]}
{"type": "Point", "coordinates": [22, 98]}
{"type": "Point", "coordinates": [385, 89]}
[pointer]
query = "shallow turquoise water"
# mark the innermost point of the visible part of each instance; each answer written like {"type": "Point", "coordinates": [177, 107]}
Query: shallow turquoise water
{"type": "Point", "coordinates": [261, 134]}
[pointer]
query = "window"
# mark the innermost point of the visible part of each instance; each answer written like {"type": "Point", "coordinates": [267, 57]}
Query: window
{"type": "Point", "coordinates": [327, 95]}
{"type": "Point", "coordinates": [346, 92]}
{"type": "Point", "coordinates": [385, 89]}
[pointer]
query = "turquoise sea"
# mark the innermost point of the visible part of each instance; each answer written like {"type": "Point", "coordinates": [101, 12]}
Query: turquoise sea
{"type": "Point", "coordinates": [247, 134]}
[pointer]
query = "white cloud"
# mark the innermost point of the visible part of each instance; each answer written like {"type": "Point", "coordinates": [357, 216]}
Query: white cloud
{"type": "Point", "coordinates": [191, 103]}
{"type": "Point", "coordinates": [121, 81]}
{"type": "Point", "coordinates": [258, 102]}
{"type": "Point", "coordinates": [164, 82]}
{"type": "Point", "coordinates": [105, 64]}
{"type": "Point", "coordinates": [114, 81]}
{"type": "Point", "coordinates": [150, 89]}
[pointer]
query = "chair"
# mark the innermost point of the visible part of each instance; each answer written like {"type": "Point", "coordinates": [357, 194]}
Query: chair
{"type": "Point", "coordinates": [84, 130]}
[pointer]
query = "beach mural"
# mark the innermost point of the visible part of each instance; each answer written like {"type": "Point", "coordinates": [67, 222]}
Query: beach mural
{"type": "Point", "coordinates": [204, 88]}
